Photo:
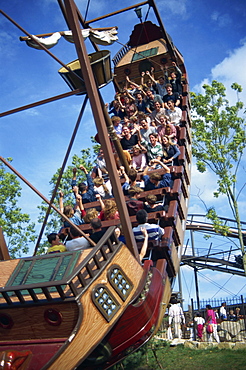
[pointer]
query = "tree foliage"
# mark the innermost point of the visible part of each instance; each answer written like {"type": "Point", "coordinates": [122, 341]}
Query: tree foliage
{"type": "Point", "coordinates": [16, 226]}
{"type": "Point", "coordinates": [54, 222]}
{"type": "Point", "coordinates": [219, 143]}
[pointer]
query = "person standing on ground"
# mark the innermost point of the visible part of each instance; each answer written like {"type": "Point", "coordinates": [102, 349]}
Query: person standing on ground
{"type": "Point", "coordinates": [176, 316]}
{"type": "Point", "coordinates": [211, 320]}
{"type": "Point", "coordinates": [200, 322]}
{"type": "Point", "coordinates": [223, 313]}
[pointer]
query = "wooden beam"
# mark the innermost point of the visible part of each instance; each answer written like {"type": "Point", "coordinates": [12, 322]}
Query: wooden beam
{"type": "Point", "coordinates": [4, 252]}
{"type": "Point", "coordinates": [117, 12]}
{"type": "Point", "coordinates": [40, 102]}
{"type": "Point", "coordinates": [98, 114]}
{"type": "Point", "coordinates": [47, 201]}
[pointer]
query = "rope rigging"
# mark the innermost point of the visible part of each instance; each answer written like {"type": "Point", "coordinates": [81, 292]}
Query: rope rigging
{"type": "Point", "coordinates": [214, 283]}
{"type": "Point", "coordinates": [87, 9]}
{"type": "Point", "coordinates": [222, 286]}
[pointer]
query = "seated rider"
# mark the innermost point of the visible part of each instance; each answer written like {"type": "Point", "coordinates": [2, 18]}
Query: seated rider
{"type": "Point", "coordinates": [77, 241]}
{"type": "Point", "coordinates": [55, 245]}
{"type": "Point", "coordinates": [155, 232]}
{"type": "Point", "coordinates": [97, 231]}
{"type": "Point", "coordinates": [155, 180]}
{"type": "Point", "coordinates": [151, 204]}
{"type": "Point", "coordinates": [130, 179]}
{"type": "Point", "coordinates": [171, 96]}
{"type": "Point", "coordinates": [134, 204]}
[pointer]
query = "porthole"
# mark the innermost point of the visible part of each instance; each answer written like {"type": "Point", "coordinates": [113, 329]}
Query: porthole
{"type": "Point", "coordinates": [127, 71]}
{"type": "Point", "coordinates": [163, 60]}
{"type": "Point", "coordinates": [6, 321]}
{"type": "Point", "coordinates": [53, 317]}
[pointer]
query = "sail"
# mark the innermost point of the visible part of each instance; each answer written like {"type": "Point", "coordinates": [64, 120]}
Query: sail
{"type": "Point", "coordinates": [104, 38]}
{"type": "Point", "coordinates": [48, 42]}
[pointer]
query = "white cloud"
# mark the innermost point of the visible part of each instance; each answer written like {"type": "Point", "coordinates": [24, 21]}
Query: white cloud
{"type": "Point", "coordinates": [176, 7]}
{"type": "Point", "coordinates": [222, 20]}
{"type": "Point", "coordinates": [203, 184]}
{"type": "Point", "coordinates": [32, 112]}
{"type": "Point", "coordinates": [230, 70]}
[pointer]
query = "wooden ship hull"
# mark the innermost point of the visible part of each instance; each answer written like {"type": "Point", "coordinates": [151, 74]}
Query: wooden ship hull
{"type": "Point", "coordinates": [90, 309]}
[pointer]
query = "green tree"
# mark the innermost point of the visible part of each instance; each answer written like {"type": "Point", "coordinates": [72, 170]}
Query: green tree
{"type": "Point", "coordinates": [218, 144]}
{"type": "Point", "coordinates": [16, 226]}
{"type": "Point", "coordinates": [54, 222]}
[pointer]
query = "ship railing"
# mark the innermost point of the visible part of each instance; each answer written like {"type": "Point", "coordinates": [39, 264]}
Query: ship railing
{"type": "Point", "coordinates": [69, 288]}
{"type": "Point", "coordinates": [121, 53]}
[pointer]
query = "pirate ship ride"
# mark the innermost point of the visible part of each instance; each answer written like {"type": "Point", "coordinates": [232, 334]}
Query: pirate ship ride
{"type": "Point", "coordinates": [89, 309]}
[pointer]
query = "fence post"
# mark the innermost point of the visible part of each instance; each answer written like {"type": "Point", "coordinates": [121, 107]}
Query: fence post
{"type": "Point", "coordinates": [243, 309]}
{"type": "Point", "coordinates": [192, 310]}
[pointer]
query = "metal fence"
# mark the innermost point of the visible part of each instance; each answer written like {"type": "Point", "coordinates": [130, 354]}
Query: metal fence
{"type": "Point", "coordinates": [228, 331]}
{"type": "Point", "coordinates": [236, 301]}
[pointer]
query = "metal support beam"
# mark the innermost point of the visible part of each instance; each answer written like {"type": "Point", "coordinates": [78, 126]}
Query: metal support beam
{"type": "Point", "coordinates": [195, 271]}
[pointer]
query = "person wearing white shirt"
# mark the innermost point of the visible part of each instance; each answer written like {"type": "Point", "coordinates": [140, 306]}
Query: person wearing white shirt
{"type": "Point", "coordinates": [200, 322]}
{"type": "Point", "coordinates": [223, 313]}
{"type": "Point", "coordinates": [176, 316]}
{"type": "Point", "coordinates": [77, 242]}
{"type": "Point", "coordinates": [174, 113]}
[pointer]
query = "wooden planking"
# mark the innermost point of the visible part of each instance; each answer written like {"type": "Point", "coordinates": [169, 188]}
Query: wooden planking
{"type": "Point", "coordinates": [134, 75]}
{"type": "Point", "coordinates": [7, 269]}
{"type": "Point", "coordinates": [127, 58]}
{"type": "Point", "coordinates": [39, 296]}
{"type": "Point", "coordinates": [29, 322]}
{"type": "Point", "coordinates": [94, 327]}
{"type": "Point", "coordinates": [185, 89]}
{"type": "Point", "coordinates": [186, 103]}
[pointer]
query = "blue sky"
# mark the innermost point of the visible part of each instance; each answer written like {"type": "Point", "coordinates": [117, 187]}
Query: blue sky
{"type": "Point", "coordinates": [211, 36]}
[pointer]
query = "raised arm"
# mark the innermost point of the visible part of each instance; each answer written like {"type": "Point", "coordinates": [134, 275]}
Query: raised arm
{"type": "Point", "coordinates": [74, 179]}
{"type": "Point", "coordinates": [151, 77]}
{"type": "Point", "coordinates": [61, 206]}
{"type": "Point", "coordinates": [132, 83]}
{"type": "Point", "coordinates": [102, 205]}
{"type": "Point", "coordinates": [165, 73]}
{"type": "Point", "coordinates": [79, 203]}
{"type": "Point", "coordinates": [122, 107]}
{"type": "Point", "coordinates": [82, 168]}
{"type": "Point", "coordinates": [88, 178]}
{"type": "Point", "coordinates": [122, 168]}
{"type": "Point", "coordinates": [146, 170]}
{"type": "Point", "coordinates": [178, 71]}
{"type": "Point", "coordinates": [161, 163]}
{"type": "Point", "coordinates": [145, 243]}
{"type": "Point", "coordinates": [142, 78]}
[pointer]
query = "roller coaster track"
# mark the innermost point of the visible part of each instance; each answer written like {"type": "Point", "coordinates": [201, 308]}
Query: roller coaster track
{"type": "Point", "coordinates": [222, 260]}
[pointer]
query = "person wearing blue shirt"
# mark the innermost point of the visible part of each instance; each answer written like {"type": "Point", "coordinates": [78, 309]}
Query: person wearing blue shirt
{"type": "Point", "coordinates": [87, 191]}
{"type": "Point", "coordinates": [155, 180]}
